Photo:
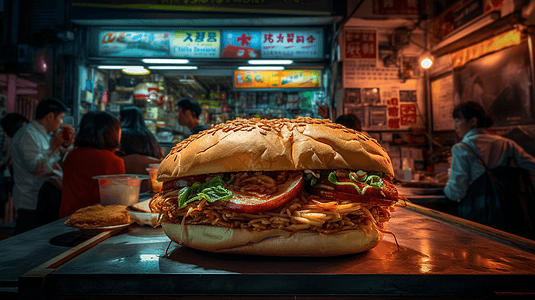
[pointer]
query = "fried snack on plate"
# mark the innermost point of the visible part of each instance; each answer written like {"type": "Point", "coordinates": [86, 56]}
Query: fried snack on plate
{"type": "Point", "coordinates": [99, 216]}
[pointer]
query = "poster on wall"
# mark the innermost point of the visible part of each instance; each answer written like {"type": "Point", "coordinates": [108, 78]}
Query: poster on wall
{"type": "Point", "coordinates": [442, 103]}
{"type": "Point", "coordinates": [384, 107]}
{"type": "Point", "coordinates": [360, 44]}
{"type": "Point", "coordinates": [500, 82]}
{"type": "Point", "coordinates": [356, 71]}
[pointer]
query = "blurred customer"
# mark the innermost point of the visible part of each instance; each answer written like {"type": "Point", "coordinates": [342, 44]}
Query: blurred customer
{"type": "Point", "coordinates": [10, 124]}
{"type": "Point", "coordinates": [35, 149]}
{"type": "Point", "coordinates": [495, 151]}
{"type": "Point", "coordinates": [136, 138]}
{"type": "Point", "coordinates": [188, 114]}
{"type": "Point", "coordinates": [139, 147]}
{"type": "Point", "coordinates": [97, 140]}
{"type": "Point", "coordinates": [349, 121]}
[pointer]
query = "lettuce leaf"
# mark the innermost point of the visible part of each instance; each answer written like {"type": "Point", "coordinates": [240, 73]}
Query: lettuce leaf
{"type": "Point", "coordinates": [211, 191]}
{"type": "Point", "coordinates": [332, 179]}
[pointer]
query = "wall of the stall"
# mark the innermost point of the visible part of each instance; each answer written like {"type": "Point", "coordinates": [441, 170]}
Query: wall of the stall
{"type": "Point", "coordinates": [385, 87]}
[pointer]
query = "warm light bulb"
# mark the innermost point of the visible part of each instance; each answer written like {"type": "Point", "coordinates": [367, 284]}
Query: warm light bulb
{"type": "Point", "coordinates": [426, 63]}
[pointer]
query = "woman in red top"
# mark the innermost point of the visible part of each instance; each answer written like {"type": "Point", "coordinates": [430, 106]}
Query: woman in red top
{"type": "Point", "coordinates": [94, 154]}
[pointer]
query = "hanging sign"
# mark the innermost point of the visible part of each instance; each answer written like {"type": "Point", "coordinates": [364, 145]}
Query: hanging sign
{"type": "Point", "coordinates": [504, 40]}
{"type": "Point", "coordinates": [241, 44]}
{"type": "Point", "coordinates": [199, 43]}
{"type": "Point", "coordinates": [134, 43]}
{"type": "Point", "coordinates": [286, 79]}
{"type": "Point", "coordinates": [280, 43]}
{"type": "Point", "coordinates": [292, 43]}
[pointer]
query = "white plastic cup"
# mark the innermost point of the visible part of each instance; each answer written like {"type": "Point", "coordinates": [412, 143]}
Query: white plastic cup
{"type": "Point", "coordinates": [119, 189]}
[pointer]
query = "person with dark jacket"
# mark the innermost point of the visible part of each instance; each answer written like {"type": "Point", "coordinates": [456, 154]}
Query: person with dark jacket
{"type": "Point", "coordinates": [10, 124]}
{"type": "Point", "coordinates": [470, 122]}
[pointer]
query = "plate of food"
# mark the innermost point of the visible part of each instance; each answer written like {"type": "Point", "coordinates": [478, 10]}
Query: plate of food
{"type": "Point", "coordinates": [95, 219]}
{"type": "Point", "coordinates": [97, 230]}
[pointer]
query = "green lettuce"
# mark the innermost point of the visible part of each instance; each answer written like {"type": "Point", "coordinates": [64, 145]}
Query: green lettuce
{"type": "Point", "coordinates": [211, 191]}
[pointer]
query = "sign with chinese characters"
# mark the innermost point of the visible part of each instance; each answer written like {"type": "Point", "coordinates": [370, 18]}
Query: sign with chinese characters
{"type": "Point", "coordinates": [279, 43]}
{"type": "Point", "coordinates": [458, 14]}
{"type": "Point", "coordinates": [241, 44]}
{"type": "Point", "coordinates": [292, 43]}
{"type": "Point", "coordinates": [360, 44]}
{"type": "Point", "coordinates": [200, 43]}
{"type": "Point", "coordinates": [134, 43]}
{"type": "Point", "coordinates": [398, 7]}
{"type": "Point", "coordinates": [286, 79]}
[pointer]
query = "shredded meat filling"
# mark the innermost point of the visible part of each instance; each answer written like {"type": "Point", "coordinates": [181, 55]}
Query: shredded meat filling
{"type": "Point", "coordinates": [298, 214]}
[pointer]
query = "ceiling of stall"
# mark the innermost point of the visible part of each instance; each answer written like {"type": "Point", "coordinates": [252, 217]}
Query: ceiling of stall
{"type": "Point", "coordinates": [199, 81]}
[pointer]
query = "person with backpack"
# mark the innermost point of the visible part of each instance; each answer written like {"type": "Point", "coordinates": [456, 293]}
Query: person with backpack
{"type": "Point", "coordinates": [481, 179]}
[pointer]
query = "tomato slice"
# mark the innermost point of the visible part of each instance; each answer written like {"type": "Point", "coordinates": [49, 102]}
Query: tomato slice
{"type": "Point", "coordinates": [250, 203]}
{"type": "Point", "coordinates": [177, 183]}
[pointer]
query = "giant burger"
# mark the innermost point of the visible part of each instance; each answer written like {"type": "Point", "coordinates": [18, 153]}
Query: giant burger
{"type": "Point", "coordinates": [299, 187]}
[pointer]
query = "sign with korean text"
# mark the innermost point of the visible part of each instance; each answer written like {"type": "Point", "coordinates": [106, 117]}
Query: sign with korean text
{"type": "Point", "coordinates": [285, 79]}
{"type": "Point", "coordinates": [360, 44]}
{"type": "Point", "coordinates": [199, 43]}
{"type": "Point", "coordinates": [292, 43]}
{"type": "Point", "coordinates": [241, 44]}
{"type": "Point", "coordinates": [134, 43]}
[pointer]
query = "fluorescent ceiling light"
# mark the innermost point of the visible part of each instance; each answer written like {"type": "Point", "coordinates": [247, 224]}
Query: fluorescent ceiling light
{"type": "Point", "coordinates": [118, 67]}
{"type": "Point", "coordinates": [136, 71]}
{"type": "Point", "coordinates": [270, 62]}
{"type": "Point", "coordinates": [267, 68]}
{"type": "Point", "coordinates": [164, 61]}
{"type": "Point", "coordinates": [173, 67]}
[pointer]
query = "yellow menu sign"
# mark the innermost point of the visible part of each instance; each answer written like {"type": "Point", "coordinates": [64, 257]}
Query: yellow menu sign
{"type": "Point", "coordinates": [277, 79]}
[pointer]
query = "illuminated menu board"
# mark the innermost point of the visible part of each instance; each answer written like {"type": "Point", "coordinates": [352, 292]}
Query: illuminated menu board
{"type": "Point", "coordinates": [286, 79]}
{"type": "Point", "coordinates": [280, 43]}
{"type": "Point", "coordinates": [134, 43]}
{"type": "Point", "coordinates": [196, 43]}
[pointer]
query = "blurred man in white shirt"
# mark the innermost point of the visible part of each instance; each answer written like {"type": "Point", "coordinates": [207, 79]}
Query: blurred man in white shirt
{"type": "Point", "coordinates": [35, 149]}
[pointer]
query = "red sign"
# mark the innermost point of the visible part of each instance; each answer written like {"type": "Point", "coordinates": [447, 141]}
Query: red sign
{"type": "Point", "coordinates": [360, 44]}
{"type": "Point", "coordinates": [408, 113]}
{"type": "Point", "coordinates": [393, 112]}
{"type": "Point", "coordinates": [393, 123]}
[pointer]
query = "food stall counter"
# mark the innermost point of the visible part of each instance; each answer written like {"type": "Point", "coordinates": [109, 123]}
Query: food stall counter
{"type": "Point", "coordinates": [437, 256]}
{"type": "Point", "coordinates": [24, 252]}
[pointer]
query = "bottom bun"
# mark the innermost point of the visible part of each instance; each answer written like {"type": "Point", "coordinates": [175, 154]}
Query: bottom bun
{"type": "Point", "coordinates": [273, 242]}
